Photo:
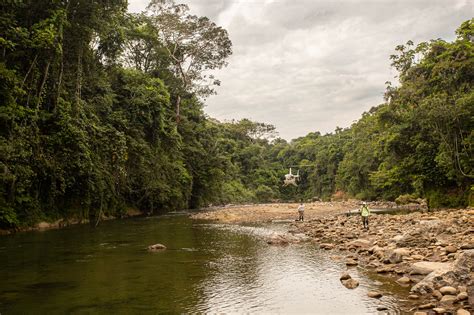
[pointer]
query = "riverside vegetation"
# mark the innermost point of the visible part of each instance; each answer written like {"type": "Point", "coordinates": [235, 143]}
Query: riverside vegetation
{"type": "Point", "coordinates": [101, 112]}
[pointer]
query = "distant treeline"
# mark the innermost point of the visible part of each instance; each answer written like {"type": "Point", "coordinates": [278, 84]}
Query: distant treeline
{"type": "Point", "coordinates": [101, 111]}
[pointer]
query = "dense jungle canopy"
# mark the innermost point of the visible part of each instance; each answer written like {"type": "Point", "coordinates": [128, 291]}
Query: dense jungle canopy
{"type": "Point", "coordinates": [101, 111]}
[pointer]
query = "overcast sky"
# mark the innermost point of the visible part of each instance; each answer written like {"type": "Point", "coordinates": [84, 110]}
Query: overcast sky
{"type": "Point", "coordinates": [313, 65]}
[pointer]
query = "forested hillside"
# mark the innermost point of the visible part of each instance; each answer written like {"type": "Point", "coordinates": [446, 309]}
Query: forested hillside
{"type": "Point", "coordinates": [102, 110]}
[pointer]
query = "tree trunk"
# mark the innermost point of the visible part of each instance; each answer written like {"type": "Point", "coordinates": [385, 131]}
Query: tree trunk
{"type": "Point", "coordinates": [178, 103]}
{"type": "Point", "coordinates": [45, 77]}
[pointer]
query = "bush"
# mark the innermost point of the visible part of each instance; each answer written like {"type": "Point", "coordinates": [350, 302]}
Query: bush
{"type": "Point", "coordinates": [265, 193]}
{"type": "Point", "coordinates": [8, 218]}
{"type": "Point", "coordinates": [339, 195]}
{"type": "Point", "coordinates": [236, 192]}
{"type": "Point", "coordinates": [406, 199]}
{"type": "Point", "coordinates": [447, 199]}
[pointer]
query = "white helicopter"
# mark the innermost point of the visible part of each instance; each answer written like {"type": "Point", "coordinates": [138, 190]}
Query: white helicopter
{"type": "Point", "coordinates": [291, 179]}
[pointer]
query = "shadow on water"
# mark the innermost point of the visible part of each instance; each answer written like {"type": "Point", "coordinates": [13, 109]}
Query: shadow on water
{"type": "Point", "coordinates": [207, 268]}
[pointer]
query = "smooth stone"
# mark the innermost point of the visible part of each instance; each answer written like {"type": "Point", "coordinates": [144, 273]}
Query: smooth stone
{"type": "Point", "coordinates": [438, 295]}
{"type": "Point", "coordinates": [462, 311]}
{"type": "Point", "coordinates": [467, 246]}
{"type": "Point", "coordinates": [462, 296]}
{"type": "Point", "coordinates": [428, 305]}
{"type": "Point", "coordinates": [439, 310]}
{"type": "Point", "coordinates": [404, 280]}
{"type": "Point", "coordinates": [327, 246]}
{"type": "Point", "coordinates": [374, 294]}
{"type": "Point", "coordinates": [448, 290]}
{"type": "Point", "coordinates": [351, 262]}
{"type": "Point", "coordinates": [451, 249]}
{"type": "Point", "coordinates": [413, 297]}
{"type": "Point", "coordinates": [426, 267]}
{"type": "Point", "coordinates": [156, 247]}
{"type": "Point", "coordinates": [448, 299]}
{"type": "Point", "coordinates": [345, 276]}
{"type": "Point", "coordinates": [350, 283]}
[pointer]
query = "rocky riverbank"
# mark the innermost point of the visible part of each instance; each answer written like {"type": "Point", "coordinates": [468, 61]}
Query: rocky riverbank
{"type": "Point", "coordinates": [278, 212]}
{"type": "Point", "coordinates": [433, 253]}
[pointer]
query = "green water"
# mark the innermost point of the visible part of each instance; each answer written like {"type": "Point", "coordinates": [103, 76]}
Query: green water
{"type": "Point", "coordinates": [207, 268]}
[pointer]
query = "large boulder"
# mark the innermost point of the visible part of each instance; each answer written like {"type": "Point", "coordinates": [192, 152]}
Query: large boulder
{"type": "Point", "coordinates": [422, 235]}
{"type": "Point", "coordinates": [396, 255]}
{"type": "Point", "coordinates": [427, 267]}
{"type": "Point", "coordinates": [448, 274]}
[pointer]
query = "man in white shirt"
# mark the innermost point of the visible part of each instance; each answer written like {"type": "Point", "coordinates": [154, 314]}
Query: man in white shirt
{"type": "Point", "coordinates": [301, 212]}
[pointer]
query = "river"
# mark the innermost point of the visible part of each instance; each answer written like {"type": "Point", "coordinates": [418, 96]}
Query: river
{"type": "Point", "coordinates": [206, 268]}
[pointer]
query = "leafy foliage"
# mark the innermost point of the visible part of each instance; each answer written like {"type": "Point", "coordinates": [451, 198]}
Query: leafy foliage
{"type": "Point", "coordinates": [90, 96]}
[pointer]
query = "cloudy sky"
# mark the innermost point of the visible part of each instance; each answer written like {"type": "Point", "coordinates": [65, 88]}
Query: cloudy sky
{"type": "Point", "coordinates": [313, 65]}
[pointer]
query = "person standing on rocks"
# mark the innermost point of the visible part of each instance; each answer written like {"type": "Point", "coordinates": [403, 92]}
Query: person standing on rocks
{"type": "Point", "coordinates": [365, 212]}
{"type": "Point", "coordinates": [301, 212]}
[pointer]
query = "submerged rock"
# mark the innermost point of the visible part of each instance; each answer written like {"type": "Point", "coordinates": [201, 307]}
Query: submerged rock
{"type": "Point", "coordinates": [345, 276]}
{"type": "Point", "coordinates": [156, 247]}
{"type": "Point", "coordinates": [350, 283]}
{"type": "Point", "coordinates": [277, 239]}
{"type": "Point", "coordinates": [374, 294]}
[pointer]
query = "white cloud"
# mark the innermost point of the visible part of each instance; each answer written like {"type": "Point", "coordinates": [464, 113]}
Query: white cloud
{"type": "Point", "coordinates": [307, 65]}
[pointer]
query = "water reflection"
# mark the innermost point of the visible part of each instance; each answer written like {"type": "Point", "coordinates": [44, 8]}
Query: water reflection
{"type": "Point", "coordinates": [207, 268]}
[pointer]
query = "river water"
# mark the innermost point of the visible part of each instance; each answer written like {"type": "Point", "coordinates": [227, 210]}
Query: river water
{"type": "Point", "coordinates": [206, 268]}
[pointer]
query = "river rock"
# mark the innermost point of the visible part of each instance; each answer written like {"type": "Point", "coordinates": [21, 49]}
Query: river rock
{"type": "Point", "coordinates": [374, 294]}
{"type": "Point", "coordinates": [467, 246]}
{"type": "Point", "coordinates": [462, 311]}
{"type": "Point", "coordinates": [462, 296]}
{"type": "Point", "coordinates": [396, 256]}
{"type": "Point", "coordinates": [277, 239]}
{"type": "Point", "coordinates": [438, 295]}
{"type": "Point", "coordinates": [156, 247]}
{"type": "Point", "coordinates": [427, 305]}
{"type": "Point", "coordinates": [465, 262]}
{"type": "Point", "coordinates": [417, 257]}
{"type": "Point", "coordinates": [448, 290]}
{"type": "Point", "coordinates": [450, 249]}
{"type": "Point", "coordinates": [345, 276]}
{"type": "Point", "coordinates": [350, 283]}
{"type": "Point", "coordinates": [420, 237]}
{"type": "Point", "coordinates": [404, 280]}
{"type": "Point", "coordinates": [439, 310]}
{"type": "Point", "coordinates": [426, 267]}
{"type": "Point", "coordinates": [360, 243]}
{"type": "Point", "coordinates": [326, 246]}
{"type": "Point", "coordinates": [448, 299]}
